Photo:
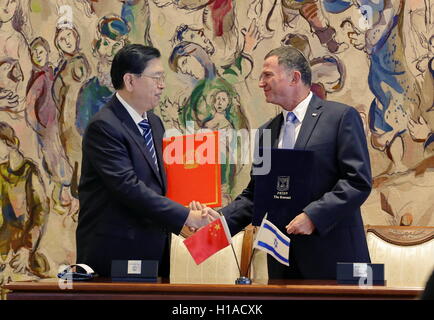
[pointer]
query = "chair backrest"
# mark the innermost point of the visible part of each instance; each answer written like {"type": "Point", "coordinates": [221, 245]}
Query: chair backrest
{"type": "Point", "coordinates": [407, 253]}
{"type": "Point", "coordinates": [221, 267]}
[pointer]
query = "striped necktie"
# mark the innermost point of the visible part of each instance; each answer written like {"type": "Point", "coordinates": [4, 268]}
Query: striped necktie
{"type": "Point", "coordinates": [289, 131]}
{"type": "Point", "coordinates": [147, 135]}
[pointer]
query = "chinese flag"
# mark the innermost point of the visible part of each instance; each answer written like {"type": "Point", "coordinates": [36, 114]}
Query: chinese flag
{"type": "Point", "coordinates": [193, 168]}
{"type": "Point", "coordinates": [208, 240]}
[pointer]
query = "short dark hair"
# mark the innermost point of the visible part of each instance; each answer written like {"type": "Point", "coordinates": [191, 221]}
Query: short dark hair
{"type": "Point", "coordinates": [133, 58]}
{"type": "Point", "coordinates": [293, 59]}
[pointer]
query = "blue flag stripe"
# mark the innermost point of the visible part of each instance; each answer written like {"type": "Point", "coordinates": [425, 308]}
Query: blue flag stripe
{"type": "Point", "coordinates": [268, 247]}
{"type": "Point", "coordinates": [267, 226]}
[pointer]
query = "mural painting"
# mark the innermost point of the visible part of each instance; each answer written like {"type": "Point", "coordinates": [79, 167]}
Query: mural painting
{"type": "Point", "coordinates": [55, 58]}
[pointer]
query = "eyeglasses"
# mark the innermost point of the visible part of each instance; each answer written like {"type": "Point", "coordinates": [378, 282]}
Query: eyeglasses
{"type": "Point", "coordinates": [158, 79]}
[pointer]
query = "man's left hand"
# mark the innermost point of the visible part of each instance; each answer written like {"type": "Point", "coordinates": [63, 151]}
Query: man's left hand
{"type": "Point", "coordinates": [301, 224]}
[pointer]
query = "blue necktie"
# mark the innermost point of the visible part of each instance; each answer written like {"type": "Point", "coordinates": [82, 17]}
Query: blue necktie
{"type": "Point", "coordinates": [289, 131]}
{"type": "Point", "coordinates": [147, 135]}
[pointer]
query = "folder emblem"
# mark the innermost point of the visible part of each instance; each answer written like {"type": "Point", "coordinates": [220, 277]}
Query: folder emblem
{"type": "Point", "coordinates": [282, 183]}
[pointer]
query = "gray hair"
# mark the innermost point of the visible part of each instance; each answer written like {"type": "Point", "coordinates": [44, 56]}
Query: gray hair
{"type": "Point", "coordinates": [293, 59]}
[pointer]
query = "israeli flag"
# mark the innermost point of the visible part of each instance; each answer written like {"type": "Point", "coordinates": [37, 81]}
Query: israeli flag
{"type": "Point", "coordinates": [271, 240]}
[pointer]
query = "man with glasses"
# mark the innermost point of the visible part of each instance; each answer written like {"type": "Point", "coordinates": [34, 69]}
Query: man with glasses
{"type": "Point", "coordinates": [124, 214]}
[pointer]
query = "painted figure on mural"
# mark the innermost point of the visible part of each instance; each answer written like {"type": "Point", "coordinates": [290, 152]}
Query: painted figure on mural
{"type": "Point", "coordinates": [188, 33]}
{"type": "Point", "coordinates": [226, 108]}
{"type": "Point", "coordinates": [422, 128]}
{"type": "Point", "coordinates": [73, 70]}
{"type": "Point", "coordinates": [217, 15]}
{"type": "Point", "coordinates": [192, 60]}
{"type": "Point", "coordinates": [97, 91]}
{"type": "Point", "coordinates": [15, 30]}
{"type": "Point", "coordinates": [328, 72]}
{"type": "Point", "coordinates": [413, 205]}
{"type": "Point", "coordinates": [24, 208]}
{"type": "Point", "coordinates": [219, 18]}
{"type": "Point", "coordinates": [423, 61]}
{"type": "Point", "coordinates": [11, 78]}
{"type": "Point", "coordinates": [398, 97]}
{"type": "Point", "coordinates": [43, 116]}
{"type": "Point", "coordinates": [222, 103]}
{"type": "Point", "coordinates": [310, 10]}
{"type": "Point", "coordinates": [138, 16]}
{"type": "Point", "coordinates": [421, 37]}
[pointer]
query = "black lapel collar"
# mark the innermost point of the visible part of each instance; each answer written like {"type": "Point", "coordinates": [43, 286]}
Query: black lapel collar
{"type": "Point", "coordinates": [123, 115]}
{"type": "Point", "coordinates": [131, 128]}
{"type": "Point", "coordinates": [313, 113]}
{"type": "Point", "coordinates": [275, 126]}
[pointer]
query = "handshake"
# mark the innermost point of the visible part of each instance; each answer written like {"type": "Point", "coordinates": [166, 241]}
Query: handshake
{"type": "Point", "coordinates": [200, 215]}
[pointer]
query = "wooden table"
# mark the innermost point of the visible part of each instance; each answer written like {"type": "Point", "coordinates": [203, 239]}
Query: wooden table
{"type": "Point", "coordinates": [274, 290]}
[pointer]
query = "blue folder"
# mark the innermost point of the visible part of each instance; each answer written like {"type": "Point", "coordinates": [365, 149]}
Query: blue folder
{"type": "Point", "coordinates": [286, 189]}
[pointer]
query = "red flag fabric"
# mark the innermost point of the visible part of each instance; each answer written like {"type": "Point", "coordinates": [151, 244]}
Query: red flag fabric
{"type": "Point", "coordinates": [208, 240]}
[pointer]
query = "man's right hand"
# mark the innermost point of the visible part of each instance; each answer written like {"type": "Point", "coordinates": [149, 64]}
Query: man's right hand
{"type": "Point", "coordinates": [200, 215]}
{"type": "Point", "coordinates": [206, 211]}
{"type": "Point", "coordinates": [196, 205]}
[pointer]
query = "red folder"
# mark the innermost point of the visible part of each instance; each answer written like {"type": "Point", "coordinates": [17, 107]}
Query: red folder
{"type": "Point", "coordinates": [193, 168]}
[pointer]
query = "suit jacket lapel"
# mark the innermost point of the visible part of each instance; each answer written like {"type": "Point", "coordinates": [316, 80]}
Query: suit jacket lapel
{"type": "Point", "coordinates": [134, 133]}
{"type": "Point", "coordinates": [275, 126]}
{"type": "Point", "coordinates": [310, 120]}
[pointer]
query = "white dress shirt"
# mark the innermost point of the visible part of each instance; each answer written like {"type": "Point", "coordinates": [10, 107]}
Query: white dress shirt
{"type": "Point", "coordinates": [299, 112]}
{"type": "Point", "coordinates": [133, 113]}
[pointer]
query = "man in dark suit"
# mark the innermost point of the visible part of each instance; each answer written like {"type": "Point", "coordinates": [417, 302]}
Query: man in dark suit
{"type": "Point", "coordinates": [124, 214]}
{"type": "Point", "coordinates": [330, 228]}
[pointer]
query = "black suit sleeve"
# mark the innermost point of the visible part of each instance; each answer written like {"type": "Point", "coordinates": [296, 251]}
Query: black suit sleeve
{"type": "Point", "coordinates": [239, 212]}
{"type": "Point", "coordinates": [354, 181]}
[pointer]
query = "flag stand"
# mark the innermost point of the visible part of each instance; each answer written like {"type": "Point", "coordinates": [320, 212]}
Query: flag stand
{"type": "Point", "coordinates": [246, 280]}
{"type": "Point", "coordinates": [243, 280]}
{"type": "Point", "coordinates": [240, 279]}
